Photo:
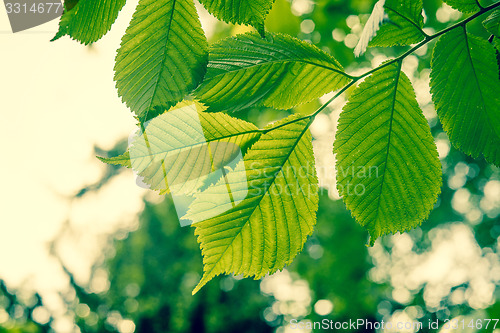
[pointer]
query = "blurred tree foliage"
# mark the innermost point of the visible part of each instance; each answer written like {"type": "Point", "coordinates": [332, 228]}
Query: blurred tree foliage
{"type": "Point", "coordinates": [16, 312]}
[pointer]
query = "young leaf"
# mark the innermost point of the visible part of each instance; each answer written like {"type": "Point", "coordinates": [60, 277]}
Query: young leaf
{"type": "Point", "coordinates": [388, 170]}
{"type": "Point", "coordinates": [279, 72]}
{"type": "Point", "coordinates": [89, 20]}
{"type": "Point", "coordinates": [252, 12]}
{"type": "Point", "coordinates": [465, 6]}
{"type": "Point", "coordinates": [179, 150]}
{"type": "Point", "coordinates": [266, 230]}
{"type": "Point", "coordinates": [163, 56]}
{"type": "Point", "coordinates": [404, 26]}
{"type": "Point", "coordinates": [492, 23]}
{"type": "Point", "coordinates": [466, 92]}
{"type": "Point", "coordinates": [122, 160]}
{"type": "Point", "coordinates": [376, 18]}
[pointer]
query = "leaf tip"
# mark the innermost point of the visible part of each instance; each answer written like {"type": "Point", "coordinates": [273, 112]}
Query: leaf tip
{"type": "Point", "coordinates": [122, 160]}
{"type": "Point", "coordinates": [204, 280]}
{"type": "Point", "coordinates": [60, 33]}
{"type": "Point", "coordinates": [195, 290]}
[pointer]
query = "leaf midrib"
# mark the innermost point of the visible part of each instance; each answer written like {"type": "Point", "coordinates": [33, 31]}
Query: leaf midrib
{"type": "Point", "coordinates": [279, 61]}
{"type": "Point", "coordinates": [165, 53]}
{"type": "Point", "coordinates": [388, 140]}
{"type": "Point", "coordinates": [201, 143]}
{"type": "Point", "coordinates": [485, 108]}
{"type": "Point", "coordinates": [419, 28]}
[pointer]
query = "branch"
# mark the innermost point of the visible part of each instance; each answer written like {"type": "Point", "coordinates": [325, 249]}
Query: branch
{"type": "Point", "coordinates": [388, 63]}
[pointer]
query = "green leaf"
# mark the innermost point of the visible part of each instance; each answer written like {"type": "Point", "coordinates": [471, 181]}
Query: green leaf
{"type": "Point", "coordinates": [465, 6]}
{"type": "Point", "coordinates": [179, 150]}
{"type": "Point", "coordinates": [388, 170]}
{"type": "Point", "coordinates": [266, 230]}
{"type": "Point", "coordinates": [68, 4]}
{"type": "Point", "coordinates": [404, 26]}
{"type": "Point", "coordinates": [162, 58]}
{"type": "Point", "coordinates": [279, 72]}
{"type": "Point", "coordinates": [466, 92]}
{"type": "Point", "coordinates": [89, 20]}
{"type": "Point", "coordinates": [496, 42]}
{"type": "Point", "coordinates": [492, 23]}
{"type": "Point", "coordinates": [252, 12]}
{"type": "Point", "coordinates": [122, 160]}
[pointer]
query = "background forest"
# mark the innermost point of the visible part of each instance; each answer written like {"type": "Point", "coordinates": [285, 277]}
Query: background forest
{"type": "Point", "coordinates": [144, 271]}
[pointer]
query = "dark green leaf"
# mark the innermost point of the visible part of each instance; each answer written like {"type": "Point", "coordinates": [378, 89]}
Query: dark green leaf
{"type": "Point", "coordinates": [496, 42]}
{"type": "Point", "coordinates": [465, 6]}
{"type": "Point", "coordinates": [466, 91]}
{"type": "Point", "coordinates": [277, 211]}
{"type": "Point", "coordinates": [179, 150]}
{"type": "Point", "coordinates": [388, 170]}
{"type": "Point", "coordinates": [252, 12]}
{"type": "Point", "coordinates": [279, 72]}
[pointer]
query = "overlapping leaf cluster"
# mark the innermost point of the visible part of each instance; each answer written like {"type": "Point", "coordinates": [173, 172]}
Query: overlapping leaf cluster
{"type": "Point", "coordinates": [254, 217]}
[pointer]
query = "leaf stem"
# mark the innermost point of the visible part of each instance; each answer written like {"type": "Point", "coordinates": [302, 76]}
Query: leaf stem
{"type": "Point", "coordinates": [400, 58]}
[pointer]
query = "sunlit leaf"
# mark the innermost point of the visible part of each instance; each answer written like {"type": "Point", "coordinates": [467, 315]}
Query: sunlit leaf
{"type": "Point", "coordinates": [163, 56]}
{"type": "Point", "coordinates": [388, 170]}
{"type": "Point", "coordinates": [496, 42]}
{"type": "Point", "coordinates": [266, 230]}
{"type": "Point", "coordinates": [465, 6]}
{"type": "Point", "coordinates": [492, 23]}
